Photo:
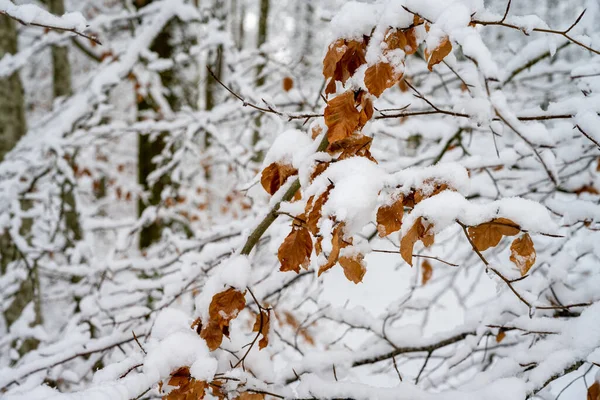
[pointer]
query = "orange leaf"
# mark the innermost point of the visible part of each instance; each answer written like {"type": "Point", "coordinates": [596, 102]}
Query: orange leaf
{"type": "Point", "coordinates": [341, 61]}
{"type": "Point", "coordinates": [500, 336]}
{"type": "Point", "coordinates": [403, 40]}
{"type": "Point", "coordinates": [341, 117]}
{"type": "Point", "coordinates": [314, 211]}
{"type": "Point", "coordinates": [261, 325]}
{"type": "Point", "coordinates": [389, 218]}
{"type": "Point", "coordinates": [337, 243]}
{"type": "Point", "coordinates": [334, 55]}
{"type": "Point", "coordinates": [522, 253]}
{"type": "Point", "coordinates": [416, 232]}
{"type": "Point", "coordinates": [250, 396]}
{"type": "Point", "coordinates": [354, 268]}
{"type": "Point", "coordinates": [295, 250]}
{"type": "Point", "coordinates": [426, 272]}
{"type": "Point", "coordinates": [355, 145]}
{"type": "Point", "coordinates": [223, 308]}
{"type": "Point", "coordinates": [287, 83]}
{"type": "Point", "coordinates": [489, 234]}
{"type": "Point", "coordinates": [366, 112]}
{"type": "Point", "coordinates": [438, 54]}
{"type": "Point", "coordinates": [275, 175]}
{"type": "Point", "coordinates": [186, 387]}
{"type": "Point", "coordinates": [380, 77]}
{"type": "Point", "coordinates": [594, 392]}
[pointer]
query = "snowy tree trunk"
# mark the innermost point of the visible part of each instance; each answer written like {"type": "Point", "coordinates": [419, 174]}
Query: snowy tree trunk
{"type": "Point", "coordinates": [61, 67]}
{"type": "Point", "coordinates": [263, 27]}
{"type": "Point", "coordinates": [150, 147]}
{"type": "Point", "coordinates": [12, 110]}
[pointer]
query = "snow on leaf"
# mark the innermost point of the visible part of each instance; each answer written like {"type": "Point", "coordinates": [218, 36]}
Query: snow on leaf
{"type": "Point", "coordinates": [403, 40]}
{"type": "Point", "coordinates": [186, 387]}
{"type": "Point", "coordinates": [438, 54]}
{"type": "Point", "coordinates": [224, 307]}
{"type": "Point", "coordinates": [295, 250]}
{"type": "Point", "coordinates": [354, 268]}
{"type": "Point", "coordinates": [342, 60]}
{"type": "Point", "coordinates": [389, 217]}
{"type": "Point", "coordinates": [489, 234]}
{"type": "Point", "coordinates": [275, 175]}
{"type": "Point", "coordinates": [341, 117]}
{"type": "Point", "coordinates": [522, 253]}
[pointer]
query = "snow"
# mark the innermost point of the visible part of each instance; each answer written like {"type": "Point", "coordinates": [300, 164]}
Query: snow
{"type": "Point", "coordinates": [32, 14]}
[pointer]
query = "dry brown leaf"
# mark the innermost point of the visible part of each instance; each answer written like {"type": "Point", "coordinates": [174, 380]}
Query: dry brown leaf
{"type": "Point", "coordinates": [341, 61]}
{"type": "Point", "coordinates": [355, 145]}
{"type": "Point", "coordinates": [224, 307]}
{"type": "Point", "coordinates": [404, 40]}
{"type": "Point", "coordinates": [275, 175]}
{"type": "Point", "coordinates": [379, 77]}
{"type": "Point", "coordinates": [426, 272]}
{"type": "Point", "coordinates": [522, 253]}
{"type": "Point", "coordinates": [438, 187]}
{"type": "Point", "coordinates": [186, 387]}
{"type": "Point", "coordinates": [586, 189]}
{"type": "Point", "coordinates": [313, 211]}
{"type": "Point", "coordinates": [594, 392]}
{"type": "Point", "coordinates": [438, 54]}
{"type": "Point", "coordinates": [500, 336]}
{"type": "Point", "coordinates": [416, 232]}
{"type": "Point", "coordinates": [389, 218]}
{"type": "Point", "coordinates": [354, 268]}
{"type": "Point", "coordinates": [262, 323]}
{"type": "Point", "coordinates": [295, 250]}
{"type": "Point", "coordinates": [366, 112]}
{"type": "Point", "coordinates": [341, 117]}
{"type": "Point", "coordinates": [287, 83]}
{"type": "Point", "coordinates": [489, 234]}
{"type": "Point", "coordinates": [337, 243]}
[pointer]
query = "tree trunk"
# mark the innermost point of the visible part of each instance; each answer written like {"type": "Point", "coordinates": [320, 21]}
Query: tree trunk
{"type": "Point", "coordinates": [12, 109]}
{"type": "Point", "coordinates": [61, 68]}
{"type": "Point", "coordinates": [148, 147]}
{"type": "Point", "coordinates": [263, 27]}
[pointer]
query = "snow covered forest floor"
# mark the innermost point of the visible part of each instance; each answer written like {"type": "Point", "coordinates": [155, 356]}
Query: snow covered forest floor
{"type": "Point", "coordinates": [317, 199]}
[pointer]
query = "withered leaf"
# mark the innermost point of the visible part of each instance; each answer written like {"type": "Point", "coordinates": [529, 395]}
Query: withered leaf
{"type": "Point", "coordinates": [389, 218]}
{"type": "Point", "coordinates": [355, 145]}
{"type": "Point", "coordinates": [262, 323]}
{"type": "Point", "coordinates": [186, 387]}
{"type": "Point", "coordinates": [416, 232]}
{"type": "Point", "coordinates": [287, 83]}
{"type": "Point", "coordinates": [224, 307]}
{"type": "Point", "coordinates": [366, 112]}
{"type": "Point", "coordinates": [489, 234]}
{"type": "Point", "coordinates": [275, 175]}
{"type": "Point", "coordinates": [426, 272]}
{"type": "Point", "coordinates": [594, 392]}
{"type": "Point", "coordinates": [379, 77]}
{"type": "Point", "coordinates": [295, 250]}
{"type": "Point", "coordinates": [522, 253]}
{"type": "Point", "coordinates": [337, 243]}
{"type": "Point", "coordinates": [341, 117]}
{"type": "Point", "coordinates": [341, 61]}
{"type": "Point", "coordinates": [404, 40]}
{"type": "Point", "coordinates": [313, 211]}
{"type": "Point", "coordinates": [334, 54]}
{"type": "Point", "coordinates": [354, 268]}
{"type": "Point", "coordinates": [500, 336]}
{"type": "Point", "coordinates": [438, 54]}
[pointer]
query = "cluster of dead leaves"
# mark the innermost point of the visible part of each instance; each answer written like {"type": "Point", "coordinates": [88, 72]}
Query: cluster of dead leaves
{"type": "Point", "coordinates": [342, 60]}
{"type": "Point", "coordinates": [224, 307]}
{"type": "Point", "coordinates": [489, 234]}
{"type": "Point", "coordinates": [188, 388]}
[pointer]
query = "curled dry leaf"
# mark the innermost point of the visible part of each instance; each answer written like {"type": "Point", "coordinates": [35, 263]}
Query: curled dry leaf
{"type": "Point", "coordinates": [381, 76]}
{"type": "Point", "coordinates": [522, 253]}
{"type": "Point", "coordinates": [262, 324]}
{"type": "Point", "coordinates": [275, 175]}
{"type": "Point", "coordinates": [426, 272]}
{"type": "Point", "coordinates": [354, 267]}
{"type": "Point", "coordinates": [186, 387]}
{"type": "Point", "coordinates": [438, 54]}
{"type": "Point", "coordinates": [342, 60]}
{"type": "Point", "coordinates": [287, 83]}
{"type": "Point", "coordinates": [416, 232]}
{"type": "Point", "coordinates": [295, 250]}
{"type": "Point", "coordinates": [389, 218]}
{"type": "Point", "coordinates": [313, 211]}
{"type": "Point", "coordinates": [355, 145]}
{"type": "Point", "coordinates": [489, 234]}
{"type": "Point", "coordinates": [337, 243]}
{"type": "Point", "coordinates": [341, 117]}
{"type": "Point", "coordinates": [405, 40]}
{"type": "Point", "coordinates": [500, 336]}
{"type": "Point", "coordinates": [366, 109]}
{"type": "Point", "coordinates": [224, 307]}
